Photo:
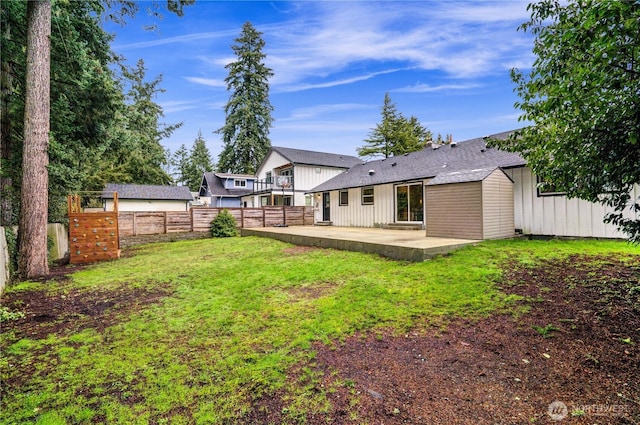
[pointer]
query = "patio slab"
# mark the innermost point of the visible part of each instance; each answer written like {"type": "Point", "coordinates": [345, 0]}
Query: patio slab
{"type": "Point", "coordinates": [407, 245]}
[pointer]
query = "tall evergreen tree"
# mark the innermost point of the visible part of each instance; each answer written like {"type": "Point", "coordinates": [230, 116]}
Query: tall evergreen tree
{"type": "Point", "coordinates": [32, 258]}
{"type": "Point", "coordinates": [245, 134]}
{"type": "Point", "coordinates": [198, 163]}
{"type": "Point", "coordinates": [395, 134]}
{"type": "Point", "coordinates": [146, 160]}
{"type": "Point", "coordinates": [180, 165]}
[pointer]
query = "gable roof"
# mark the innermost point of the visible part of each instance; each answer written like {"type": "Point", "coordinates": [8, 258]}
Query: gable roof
{"type": "Point", "coordinates": [305, 157]}
{"type": "Point", "coordinates": [214, 183]}
{"type": "Point", "coordinates": [466, 176]}
{"type": "Point", "coordinates": [427, 163]}
{"type": "Point", "coordinates": [148, 192]}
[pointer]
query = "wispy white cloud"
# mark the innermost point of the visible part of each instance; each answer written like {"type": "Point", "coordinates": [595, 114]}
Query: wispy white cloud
{"type": "Point", "coordinates": [210, 82]}
{"type": "Point", "coordinates": [324, 109]}
{"type": "Point", "coordinates": [426, 88]}
{"type": "Point", "coordinates": [171, 106]}
{"type": "Point", "coordinates": [185, 38]}
{"type": "Point", "coordinates": [461, 39]}
{"type": "Point", "coordinates": [334, 83]}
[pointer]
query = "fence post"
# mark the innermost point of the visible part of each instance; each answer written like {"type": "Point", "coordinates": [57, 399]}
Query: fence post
{"type": "Point", "coordinates": [135, 231]}
{"type": "Point", "coordinates": [264, 217]}
{"type": "Point", "coordinates": [241, 218]}
{"type": "Point", "coordinates": [165, 222]}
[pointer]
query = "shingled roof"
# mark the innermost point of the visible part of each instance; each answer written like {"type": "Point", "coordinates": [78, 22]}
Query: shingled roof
{"type": "Point", "coordinates": [147, 192]}
{"type": "Point", "coordinates": [214, 183]}
{"type": "Point", "coordinates": [427, 163]}
{"type": "Point", "coordinates": [301, 156]}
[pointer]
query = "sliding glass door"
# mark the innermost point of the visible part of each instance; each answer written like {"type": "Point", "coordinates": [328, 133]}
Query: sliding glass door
{"type": "Point", "coordinates": [409, 203]}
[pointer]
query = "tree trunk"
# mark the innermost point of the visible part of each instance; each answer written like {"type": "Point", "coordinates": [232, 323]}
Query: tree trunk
{"type": "Point", "coordinates": [6, 142]}
{"type": "Point", "coordinates": [32, 260]}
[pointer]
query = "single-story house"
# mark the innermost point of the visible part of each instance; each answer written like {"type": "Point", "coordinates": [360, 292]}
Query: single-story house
{"type": "Point", "coordinates": [286, 175]}
{"type": "Point", "coordinates": [225, 189]}
{"type": "Point", "coordinates": [464, 190]}
{"type": "Point", "coordinates": [142, 197]}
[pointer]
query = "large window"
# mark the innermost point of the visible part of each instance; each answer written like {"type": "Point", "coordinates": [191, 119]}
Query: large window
{"type": "Point", "coordinates": [344, 198]}
{"type": "Point", "coordinates": [282, 200]}
{"type": "Point", "coordinates": [367, 195]}
{"type": "Point", "coordinates": [545, 188]}
{"type": "Point", "coordinates": [409, 202]}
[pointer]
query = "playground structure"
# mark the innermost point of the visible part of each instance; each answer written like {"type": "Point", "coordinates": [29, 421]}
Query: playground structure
{"type": "Point", "coordinates": [93, 235]}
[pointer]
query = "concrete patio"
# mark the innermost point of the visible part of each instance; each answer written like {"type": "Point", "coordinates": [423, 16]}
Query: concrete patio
{"type": "Point", "coordinates": [408, 245]}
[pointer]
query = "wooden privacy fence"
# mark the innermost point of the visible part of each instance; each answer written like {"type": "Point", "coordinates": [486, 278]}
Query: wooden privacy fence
{"type": "Point", "coordinates": [199, 219]}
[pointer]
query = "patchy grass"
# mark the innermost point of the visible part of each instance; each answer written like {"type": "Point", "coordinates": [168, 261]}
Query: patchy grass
{"type": "Point", "coordinates": [194, 332]}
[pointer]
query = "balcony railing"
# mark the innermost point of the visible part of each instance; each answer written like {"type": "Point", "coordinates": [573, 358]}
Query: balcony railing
{"type": "Point", "coordinates": [275, 183]}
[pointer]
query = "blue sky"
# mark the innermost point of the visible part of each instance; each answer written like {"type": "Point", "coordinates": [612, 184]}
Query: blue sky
{"type": "Point", "coordinates": [446, 62]}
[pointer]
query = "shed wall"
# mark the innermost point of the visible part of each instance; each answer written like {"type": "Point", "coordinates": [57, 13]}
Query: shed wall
{"type": "Point", "coordinates": [497, 206]}
{"type": "Point", "coordinates": [455, 210]}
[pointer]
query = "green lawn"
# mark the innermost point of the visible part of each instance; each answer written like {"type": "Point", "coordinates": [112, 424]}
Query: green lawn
{"type": "Point", "coordinates": [235, 316]}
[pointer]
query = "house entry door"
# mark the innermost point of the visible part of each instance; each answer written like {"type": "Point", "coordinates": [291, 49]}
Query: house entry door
{"type": "Point", "coordinates": [326, 206]}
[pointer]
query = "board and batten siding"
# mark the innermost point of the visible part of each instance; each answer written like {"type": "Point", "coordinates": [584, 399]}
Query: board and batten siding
{"type": "Point", "coordinates": [559, 215]}
{"type": "Point", "coordinates": [497, 206]}
{"type": "Point", "coordinates": [357, 215]}
{"type": "Point", "coordinates": [454, 210]}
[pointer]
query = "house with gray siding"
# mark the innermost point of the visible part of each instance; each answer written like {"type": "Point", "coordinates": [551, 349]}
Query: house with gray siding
{"type": "Point", "coordinates": [464, 190]}
{"type": "Point", "coordinates": [225, 189]}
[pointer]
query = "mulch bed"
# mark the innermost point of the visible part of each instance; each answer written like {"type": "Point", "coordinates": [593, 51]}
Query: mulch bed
{"type": "Point", "coordinates": [568, 352]}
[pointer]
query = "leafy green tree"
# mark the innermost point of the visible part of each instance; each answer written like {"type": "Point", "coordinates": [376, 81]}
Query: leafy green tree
{"type": "Point", "coordinates": [245, 133]}
{"type": "Point", "coordinates": [581, 97]}
{"type": "Point", "coordinates": [395, 134]}
{"type": "Point", "coordinates": [198, 163]}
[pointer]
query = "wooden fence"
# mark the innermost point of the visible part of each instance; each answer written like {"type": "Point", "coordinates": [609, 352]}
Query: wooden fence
{"type": "Point", "coordinates": [199, 219]}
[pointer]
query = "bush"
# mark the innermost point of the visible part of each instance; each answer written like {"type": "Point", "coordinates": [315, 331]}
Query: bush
{"type": "Point", "coordinates": [224, 225]}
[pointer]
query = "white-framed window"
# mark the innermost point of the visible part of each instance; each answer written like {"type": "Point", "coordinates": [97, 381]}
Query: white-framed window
{"type": "Point", "coordinates": [239, 183]}
{"type": "Point", "coordinates": [545, 188]}
{"type": "Point", "coordinates": [367, 195]}
{"type": "Point", "coordinates": [343, 200]}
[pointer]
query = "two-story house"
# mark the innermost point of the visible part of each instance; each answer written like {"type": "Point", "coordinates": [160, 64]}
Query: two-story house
{"type": "Point", "coordinates": [225, 190]}
{"type": "Point", "coordinates": [286, 175]}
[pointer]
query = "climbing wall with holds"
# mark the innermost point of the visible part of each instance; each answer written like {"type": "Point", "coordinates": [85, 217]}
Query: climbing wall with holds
{"type": "Point", "coordinates": [93, 237]}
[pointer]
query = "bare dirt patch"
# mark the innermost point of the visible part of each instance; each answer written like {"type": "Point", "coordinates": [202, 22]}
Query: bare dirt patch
{"type": "Point", "coordinates": [579, 345]}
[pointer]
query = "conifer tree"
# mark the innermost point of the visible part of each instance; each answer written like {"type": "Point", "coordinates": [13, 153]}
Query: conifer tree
{"type": "Point", "coordinates": [395, 134]}
{"type": "Point", "coordinates": [199, 162]}
{"type": "Point", "coordinates": [245, 133]}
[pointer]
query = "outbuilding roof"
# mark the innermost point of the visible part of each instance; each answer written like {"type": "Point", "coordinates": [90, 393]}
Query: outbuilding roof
{"type": "Point", "coordinates": [301, 156]}
{"type": "Point", "coordinates": [148, 192]}
{"type": "Point", "coordinates": [430, 162]}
